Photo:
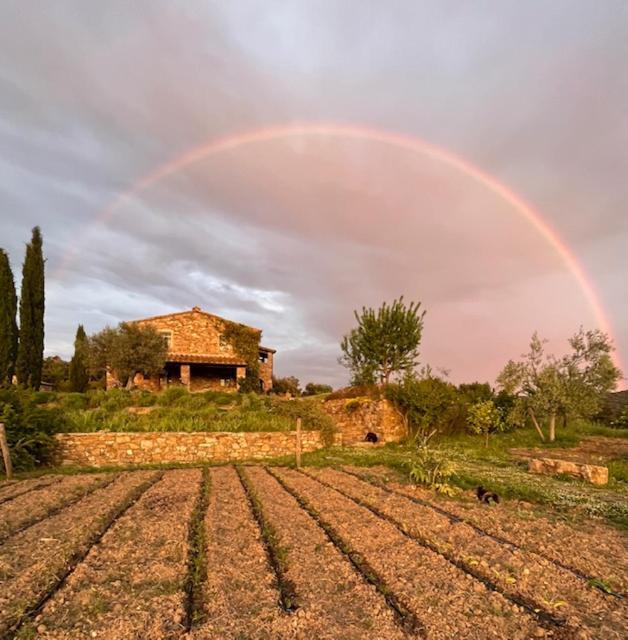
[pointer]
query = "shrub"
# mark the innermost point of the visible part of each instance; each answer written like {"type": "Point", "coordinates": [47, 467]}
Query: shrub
{"type": "Point", "coordinates": [30, 428]}
{"type": "Point", "coordinates": [431, 468]}
{"type": "Point", "coordinates": [621, 421]}
{"type": "Point", "coordinates": [169, 397]}
{"type": "Point", "coordinates": [70, 401]}
{"type": "Point", "coordinates": [484, 418]}
{"type": "Point", "coordinates": [359, 391]}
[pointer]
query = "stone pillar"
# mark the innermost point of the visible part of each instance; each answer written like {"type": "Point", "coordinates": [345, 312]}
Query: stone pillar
{"type": "Point", "coordinates": [185, 375]}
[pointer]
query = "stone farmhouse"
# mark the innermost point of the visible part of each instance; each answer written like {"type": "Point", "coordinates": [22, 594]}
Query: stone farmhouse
{"type": "Point", "coordinates": [199, 356]}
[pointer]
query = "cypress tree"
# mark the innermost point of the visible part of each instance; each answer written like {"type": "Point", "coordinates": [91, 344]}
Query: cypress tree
{"type": "Point", "coordinates": [79, 378]}
{"type": "Point", "coordinates": [8, 322]}
{"type": "Point", "coordinates": [30, 354]}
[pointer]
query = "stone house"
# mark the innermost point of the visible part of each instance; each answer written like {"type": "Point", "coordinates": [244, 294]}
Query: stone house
{"type": "Point", "coordinates": [199, 356]}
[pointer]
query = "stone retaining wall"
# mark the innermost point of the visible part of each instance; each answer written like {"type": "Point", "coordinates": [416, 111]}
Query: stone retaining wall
{"type": "Point", "coordinates": [355, 417]}
{"type": "Point", "coordinates": [108, 448]}
{"type": "Point", "coordinates": [550, 466]}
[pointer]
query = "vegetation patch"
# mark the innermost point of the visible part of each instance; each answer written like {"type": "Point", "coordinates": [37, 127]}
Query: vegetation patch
{"type": "Point", "coordinates": [197, 559]}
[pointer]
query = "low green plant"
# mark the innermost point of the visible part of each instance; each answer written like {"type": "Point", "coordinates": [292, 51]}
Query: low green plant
{"type": "Point", "coordinates": [431, 468]}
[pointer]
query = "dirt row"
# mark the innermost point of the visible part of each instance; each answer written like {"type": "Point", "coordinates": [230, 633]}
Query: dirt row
{"type": "Point", "coordinates": [35, 561]}
{"type": "Point", "coordinates": [13, 489]}
{"type": "Point", "coordinates": [240, 598]}
{"type": "Point", "coordinates": [131, 585]}
{"type": "Point", "coordinates": [520, 575]}
{"type": "Point", "coordinates": [334, 600]}
{"type": "Point", "coordinates": [32, 506]}
{"type": "Point", "coordinates": [591, 549]}
{"type": "Point", "coordinates": [448, 602]}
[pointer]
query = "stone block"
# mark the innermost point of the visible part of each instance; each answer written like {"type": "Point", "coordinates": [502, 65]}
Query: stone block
{"type": "Point", "coordinates": [549, 466]}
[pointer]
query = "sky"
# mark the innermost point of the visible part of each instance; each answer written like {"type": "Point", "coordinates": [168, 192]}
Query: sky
{"type": "Point", "coordinates": [291, 234]}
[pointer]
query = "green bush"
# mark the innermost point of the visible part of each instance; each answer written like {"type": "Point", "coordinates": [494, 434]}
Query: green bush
{"type": "Point", "coordinates": [30, 427]}
{"type": "Point", "coordinates": [169, 397]}
{"type": "Point", "coordinates": [71, 401]}
{"type": "Point", "coordinates": [43, 397]}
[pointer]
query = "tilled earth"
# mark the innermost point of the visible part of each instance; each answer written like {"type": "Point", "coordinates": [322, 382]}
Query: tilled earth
{"type": "Point", "coordinates": [265, 553]}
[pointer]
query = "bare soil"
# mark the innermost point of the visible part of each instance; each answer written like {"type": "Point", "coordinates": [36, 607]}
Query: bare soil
{"type": "Point", "coordinates": [520, 575]}
{"type": "Point", "coordinates": [590, 450]}
{"type": "Point", "coordinates": [118, 556]}
{"type": "Point", "coordinates": [28, 508]}
{"type": "Point", "coordinates": [131, 585]}
{"type": "Point", "coordinates": [590, 548]}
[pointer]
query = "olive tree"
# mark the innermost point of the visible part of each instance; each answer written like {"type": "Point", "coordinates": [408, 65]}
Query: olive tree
{"type": "Point", "coordinates": [572, 386]}
{"type": "Point", "coordinates": [127, 350]}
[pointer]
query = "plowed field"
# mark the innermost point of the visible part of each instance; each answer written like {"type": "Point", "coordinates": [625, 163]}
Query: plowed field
{"type": "Point", "coordinates": [265, 553]}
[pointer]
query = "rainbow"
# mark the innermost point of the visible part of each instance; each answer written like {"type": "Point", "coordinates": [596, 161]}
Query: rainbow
{"type": "Point", "coordinates": [409, 143]}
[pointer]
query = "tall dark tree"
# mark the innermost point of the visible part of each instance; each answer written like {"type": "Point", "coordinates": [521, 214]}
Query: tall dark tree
{"type": "Point", "coordinates": [79, 377]}
{"type": "Point", "coordinates": [30, 353]}
{"type": "Point", "coordinates": [8, 322]}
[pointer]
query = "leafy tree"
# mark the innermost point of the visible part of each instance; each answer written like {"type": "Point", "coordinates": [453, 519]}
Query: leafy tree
{"type": "Point", "coordinates": [79, 376]}
{"type": "Point", "coordinates": [30, 355]}
{"type": "Point", "coordinates": [475, 392]}
{"type": "Point", "coordinates": [385, 342]}
{"type": "Point", "coordinates": [56, 371]}
{"type": "Point", "coordinates": [484, 418]}
{"type": "Point", "coordinates": [8, 322]}
{"type": "Point", "coordinates": [574, 385]}
{"type": "Point", "coordinates": [287, 385]}
{"type": "Point", "coordinates": [427, 404]}
{"type": "Point", "coordinates": [313, 389]}
{"type": "Point", "coordinates": [127, 350]}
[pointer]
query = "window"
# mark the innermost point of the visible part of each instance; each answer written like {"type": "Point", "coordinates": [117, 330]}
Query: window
{"type": "Point", "coordinates": [263, 356]}
{"type": "Point", "coordinates": [167, 338]}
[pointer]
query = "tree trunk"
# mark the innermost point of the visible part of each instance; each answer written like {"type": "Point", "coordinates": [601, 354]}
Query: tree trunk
{"type": "Point", "coordinates": [537, 427]}
{"type": "Point", "coordinates": [552, 427]}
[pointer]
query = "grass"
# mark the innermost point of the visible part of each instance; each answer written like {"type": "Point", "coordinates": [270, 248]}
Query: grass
{"type": "Point", "coordinates": [178, 410]}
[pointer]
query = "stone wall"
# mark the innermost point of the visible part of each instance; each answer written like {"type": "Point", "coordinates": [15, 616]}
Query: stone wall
{"type": "Point", "coordinates": [549, 466]}
{"type": "Point", "coordinates": [109, 448]}
{"type": "Point", "coordinates": [354, 418]}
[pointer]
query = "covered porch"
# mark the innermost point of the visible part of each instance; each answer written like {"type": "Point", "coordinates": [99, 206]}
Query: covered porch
{"type": "Point", "coordinates": [204, 373]}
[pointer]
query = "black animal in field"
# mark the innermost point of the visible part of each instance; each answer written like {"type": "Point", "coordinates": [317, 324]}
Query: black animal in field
{"type": "Point", "coordinates": [485, 496]}
{"type": "Point", "coordinates": [371, 437]}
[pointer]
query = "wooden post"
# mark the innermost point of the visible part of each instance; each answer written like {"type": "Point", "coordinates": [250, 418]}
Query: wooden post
{"type": "Point", "coordinates": [298, 443]}
{"type": "Point", "coordinates": [5, 451]}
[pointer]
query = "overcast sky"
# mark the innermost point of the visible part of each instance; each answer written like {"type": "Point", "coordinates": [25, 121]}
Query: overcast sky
{"type": "Point", "coordinates": [292, 234]}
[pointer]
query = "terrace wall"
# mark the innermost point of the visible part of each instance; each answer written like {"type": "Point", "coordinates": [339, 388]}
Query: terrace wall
{"type": "Point", "coordinates": [355, 417]}
{"type": "Point", "coordinates": [117, 448]}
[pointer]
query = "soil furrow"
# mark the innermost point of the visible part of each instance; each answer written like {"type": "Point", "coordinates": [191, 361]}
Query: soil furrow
{"type": "Point", "coordinates": [197, 559]}
{"type": "Point", "coordinates": [490, 527]}
{"type": "Point", "coordinates": [404, 617]}
{"type": "Point", "coordinates": [335, 600]}
{"type": "Point", "coordinates": [22, 487]}
{"type": "Point", "coordinates": [132, 585]}
{"type": "Point", "coordinates": [240, 599]}
{"type": "Point", "coordinates": [449, 602]}
{"type": "Point", "coordinates": [35, 563]}
{"type": "Point", "coordinates": [33, 506]}
{"type": "Point", "coordinates": [523, 578]}
{"type": "Point", "coordinates": [288, 596]}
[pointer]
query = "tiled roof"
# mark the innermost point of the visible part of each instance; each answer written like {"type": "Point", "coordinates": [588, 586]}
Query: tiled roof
{"type": "Point", "coordinates": [205, 359]}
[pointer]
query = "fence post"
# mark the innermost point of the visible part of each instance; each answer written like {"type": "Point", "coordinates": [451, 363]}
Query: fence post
{"type": "Point", "coordinates": [298, 443]}
{"type": "Point", "coordinates": [5, 451]}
